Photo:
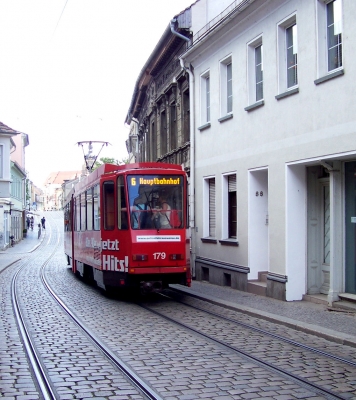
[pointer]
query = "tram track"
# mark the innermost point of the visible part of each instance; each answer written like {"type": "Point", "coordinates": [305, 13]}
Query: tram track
{"type": "Point", "coordinates": [148, 392]}
{"type": "Point", "coordinates": [42, 379]}
{"type": "Point", "coordinates": [37, 362]}
{"type": "Point", "coordinates": [328, 389]}
{"type": "Point", "coordinates": [180, 316]}
{"type": "Point", "coordinates": [155, 344]}
{"type": "Point", "coordinates": [273, 335]}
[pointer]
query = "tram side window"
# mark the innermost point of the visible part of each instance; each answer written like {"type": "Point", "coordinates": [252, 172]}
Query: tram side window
{"type": "Point", "coordinates": [90, 209]}
{"type": "Point", "coordinates": [83, 214]}
{"type": "Point", "coordinates": [96, 207]}
{"type": "Point", "coordinates": [109, 205]}
{"type": "Point", "coordinates": [67, 221]}
{"type": "Point", "coordinates": [77, 213]}
{"type": "Point", "coordinates": [122, 222]}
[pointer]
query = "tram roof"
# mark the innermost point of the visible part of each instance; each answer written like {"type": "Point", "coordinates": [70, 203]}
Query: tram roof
{"type": "Point", "coordinates": [111, 168]}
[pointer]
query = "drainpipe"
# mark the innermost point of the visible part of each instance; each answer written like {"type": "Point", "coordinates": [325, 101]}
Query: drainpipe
{"type": "Point", "coordinates": [173, 30]}
{"type": "Point", "coordinates": [192, 151]}
{"type": "Point", "coordinates": [192, 166]}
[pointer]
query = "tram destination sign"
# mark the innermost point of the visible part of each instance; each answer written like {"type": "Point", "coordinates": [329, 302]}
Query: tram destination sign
{"type": "Point", "coordinates": [150, 181]}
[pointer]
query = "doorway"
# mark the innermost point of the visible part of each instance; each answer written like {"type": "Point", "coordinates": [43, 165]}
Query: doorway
{"type": "Point", "coordinates": [258, 222]}
{"type": "Point", "coordinates": [350, 227]}
{"type": "Point", "coordinates": [318, 217]}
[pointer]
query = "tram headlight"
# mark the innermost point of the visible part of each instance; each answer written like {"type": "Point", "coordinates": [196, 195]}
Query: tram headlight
{"type": "Point", "coordinates": [175, 257]}
{"type": "Point", "coordinates": [140, 257]}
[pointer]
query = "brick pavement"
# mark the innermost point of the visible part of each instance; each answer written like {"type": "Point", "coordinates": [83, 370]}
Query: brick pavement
{"type": "Point", "coordinates": [303, 315]}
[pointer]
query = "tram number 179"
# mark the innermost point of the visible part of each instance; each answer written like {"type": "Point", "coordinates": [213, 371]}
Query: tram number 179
{"type": "Point", "coordinates": [159, 256]}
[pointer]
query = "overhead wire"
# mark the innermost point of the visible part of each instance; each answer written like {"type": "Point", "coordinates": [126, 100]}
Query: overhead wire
{"type": "Point", "coordinates": [59, 18]}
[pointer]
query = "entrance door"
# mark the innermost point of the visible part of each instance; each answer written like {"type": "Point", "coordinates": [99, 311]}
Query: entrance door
{"type": "Point", "coordinates": [258, 222]}
{"type": "Point", "coordinates": [350, 227]}
{"type": "Point", "coordinates": [318, 259]}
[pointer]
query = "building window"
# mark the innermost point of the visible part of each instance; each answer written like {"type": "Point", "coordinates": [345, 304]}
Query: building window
{"type": "Point", "coordinates": [173, 126]}
{"type": "Point", "coordinates": [153, 142]}
{"type": "Point", "coordinates": [287, 54]}
{"type": "Point", "coordinates": [186, 117]}
{"type": "Point", "coordinates": [232, 206]}
{"type": "Point", "coordinates": [163, 133]}
{"type": "Point", "coordinates": [1, 161]}
{"type": "Point", "coordinates": [209, 208]}
{"type": "Point", "coordinates": [292, 54]}
{"type": "Point", "coordinates": [229, 207]}
{"type": "Point", "coordinates": [226, 86]}
{"type": "Point", "coordinates": [334, 34]}
{"type": "Point", "coordinates": [255, 70]}
{"type": "Point", "coordinates": [259, 72]}
{"type": "Point", "coordinates": [329, 40]}
{"type": "Point", "coordinates": [205, 98]}
{"type": "Point", "coordinates": [212, 216]}
{"type": "Point", "coordinates": [207, 94]}
{"type": "Point", "coordinates": [16, 188]}
{"type": "Point", "coordinates": [229, 87]}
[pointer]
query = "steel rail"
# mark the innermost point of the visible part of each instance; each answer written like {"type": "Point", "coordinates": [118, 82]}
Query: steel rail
{"type": "Point", "coordinates": [139, 383]}
{"type": "Point", "coordinates": [35, 360]}
{"type": "Point", "coordinates": [305, 383]}
{"type": "Point", "coordinates": [274, 335]}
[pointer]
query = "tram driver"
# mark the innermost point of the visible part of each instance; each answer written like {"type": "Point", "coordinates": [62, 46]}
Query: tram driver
{"type": "Point", "coordinates": [161, 214]}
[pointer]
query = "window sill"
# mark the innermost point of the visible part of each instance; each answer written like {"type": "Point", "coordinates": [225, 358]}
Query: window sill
{"type": "Point", "coordinates": [332, 75]}
{"type": "Point", "coordinates": [287, 93]}
{"type": "Point", "coordinates": [209, 240]}
{"type": "Point", "coordinates": [226, 117]}
{"type": "Point", "coordinates": [255, 105]}
{"type": "Point", "coordinates": [229, 242]}
{"type": "Point", "coordinates": [205, 126]}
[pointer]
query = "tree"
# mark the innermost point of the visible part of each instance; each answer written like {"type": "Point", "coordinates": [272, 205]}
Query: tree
{"type": "Point", "coordinates": [108, 160]}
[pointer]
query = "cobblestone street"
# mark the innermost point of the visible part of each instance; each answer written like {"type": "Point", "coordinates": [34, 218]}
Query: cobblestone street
{"type": "Point", "coordinates": [175, 362]}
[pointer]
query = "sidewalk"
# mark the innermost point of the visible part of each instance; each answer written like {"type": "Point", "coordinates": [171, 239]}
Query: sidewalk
{"type": "Point", "coordinates": [21, 249]}
{"type": "Point", "coordinates": [306, 316]}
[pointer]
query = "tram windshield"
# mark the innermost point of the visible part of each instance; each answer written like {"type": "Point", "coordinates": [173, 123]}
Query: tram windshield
{"type": "Point", "coordinates": [156, 201]}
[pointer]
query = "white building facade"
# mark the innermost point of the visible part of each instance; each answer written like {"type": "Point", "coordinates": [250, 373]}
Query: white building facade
{"type": "Point", "coordinates": [273, 143]}
{"type": "Point", "coordinates": [7, 144]}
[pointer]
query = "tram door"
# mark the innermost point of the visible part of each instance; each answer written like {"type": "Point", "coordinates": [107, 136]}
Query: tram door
{"type": "Point", "coordinates": [115, 219]}
{"type": "Point", "coordinates": [350, 227]}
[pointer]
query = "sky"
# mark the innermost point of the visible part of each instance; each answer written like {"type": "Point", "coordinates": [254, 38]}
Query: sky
{"type": "Point", "coordinates": [68, 70]}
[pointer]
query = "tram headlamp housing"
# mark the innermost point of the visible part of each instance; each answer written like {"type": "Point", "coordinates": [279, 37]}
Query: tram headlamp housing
{"type": "Point", "coordinates": [176, 257]}
{"type": "Point", "coordinates": [140, 257]}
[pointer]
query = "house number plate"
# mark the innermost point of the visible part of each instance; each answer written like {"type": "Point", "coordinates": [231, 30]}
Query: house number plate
{"type": "Point", "coordinates": [353, 220]}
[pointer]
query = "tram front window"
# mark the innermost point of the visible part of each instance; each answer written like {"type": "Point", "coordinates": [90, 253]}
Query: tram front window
{"type": "Point", "coordinates": [156, 201]}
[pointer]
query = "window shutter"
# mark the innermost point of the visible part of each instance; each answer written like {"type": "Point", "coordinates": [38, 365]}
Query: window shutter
{"type": "Point", "coordinates": [212, 217]}
{"type": "Point", "coordinates": [232, 183]}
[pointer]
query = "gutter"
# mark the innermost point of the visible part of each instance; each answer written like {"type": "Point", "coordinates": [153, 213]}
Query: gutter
{"type": "Point", "coordinates": [173, 30]}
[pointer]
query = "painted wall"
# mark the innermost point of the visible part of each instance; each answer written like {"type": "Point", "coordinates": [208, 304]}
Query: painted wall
{"type": "Point", "coordinates": [316, 123]}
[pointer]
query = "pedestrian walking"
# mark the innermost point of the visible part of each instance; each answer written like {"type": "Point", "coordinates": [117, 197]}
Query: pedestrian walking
{"type": "Point", "coordinates": [28, 222]}
{"type": "Point", "coordinates": [32, 223]}
{"type": "Point", "coordinates": [43, 222]}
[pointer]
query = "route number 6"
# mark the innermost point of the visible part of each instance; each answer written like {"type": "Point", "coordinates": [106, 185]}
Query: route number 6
{"type": "Point", "coordinates": [159, 256]}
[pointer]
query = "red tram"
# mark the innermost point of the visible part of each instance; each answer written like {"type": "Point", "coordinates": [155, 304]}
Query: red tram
{"type": "Point", "coordinates": [125, 227]}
